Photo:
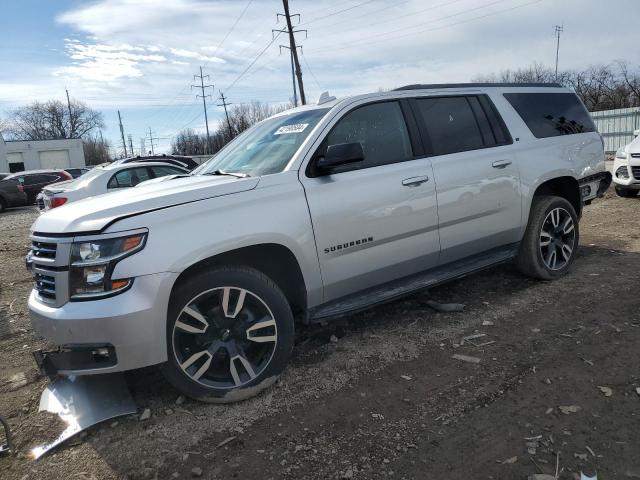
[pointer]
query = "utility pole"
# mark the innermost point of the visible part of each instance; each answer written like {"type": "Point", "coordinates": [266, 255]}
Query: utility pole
{"type": "Point", "coordinates": [224, 104]}
{"type": "Point", "coordinates": [124, 144]}
{"type": "Point", "coordinates": [292, 45]}
{"type": "Point", "coordinates": [143, 147]}
{"type": "Point", "coordinates": [558, 29]}
{"type": "Point", "coordinates": [204, 103]}
{"type": "Point", "coordinates": [293, 75]}
{"type": "Point", "coordinates": [130, 144]}
{"type": "Point", "coordinates": [72, 125]}
{"type": "Point", "coordinates": [152, 138]}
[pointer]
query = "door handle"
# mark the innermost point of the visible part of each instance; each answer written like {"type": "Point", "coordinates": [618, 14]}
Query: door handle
{"type": "Point", "coordinates": [414, 181]}
{"type": "Point", "coordinates": [501, 163]}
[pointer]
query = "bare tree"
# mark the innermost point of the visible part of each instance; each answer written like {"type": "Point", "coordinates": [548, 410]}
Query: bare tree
{"type": "Point", "coordinates": [96, 150]}
{"type": "Point", "coordinates": [53, 120]}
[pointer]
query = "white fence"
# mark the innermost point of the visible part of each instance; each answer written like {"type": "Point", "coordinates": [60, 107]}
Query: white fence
{"type": "Point", "coordinates": [617, 126]}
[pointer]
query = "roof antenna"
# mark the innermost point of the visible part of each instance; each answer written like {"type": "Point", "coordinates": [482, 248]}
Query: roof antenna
{"type": "Point", "coordinates": [325, 98]}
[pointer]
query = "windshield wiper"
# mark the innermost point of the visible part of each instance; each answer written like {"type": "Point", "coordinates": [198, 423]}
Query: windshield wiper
{"type": "Point", "coordinates": [232, 174]}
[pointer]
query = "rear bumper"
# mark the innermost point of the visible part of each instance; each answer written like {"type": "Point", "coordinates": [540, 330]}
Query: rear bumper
{"type": "Point", "coordinates": [114, 334]}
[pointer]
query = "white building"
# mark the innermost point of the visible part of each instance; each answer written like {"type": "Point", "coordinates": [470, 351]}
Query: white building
{"type": "Point", "coordinates": [19, 155]}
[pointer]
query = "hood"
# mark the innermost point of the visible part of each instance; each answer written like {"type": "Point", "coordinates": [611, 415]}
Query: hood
{"type": "Point", "coordinates": [634, 147]}
{"type": "Point", "coordinates": [95, 213]}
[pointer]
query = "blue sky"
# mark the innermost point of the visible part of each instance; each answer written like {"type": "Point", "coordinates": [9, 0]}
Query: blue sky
{"type": "Point", "coordinates": [139, 56]}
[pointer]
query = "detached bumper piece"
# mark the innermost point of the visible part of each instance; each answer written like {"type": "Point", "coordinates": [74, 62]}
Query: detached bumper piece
{"type": "Point", "coordinates": [7, 446]}
{"type": "Point", "coordinates": [84, 401]}
{"type": "Point", "coordinates": [81, 357]}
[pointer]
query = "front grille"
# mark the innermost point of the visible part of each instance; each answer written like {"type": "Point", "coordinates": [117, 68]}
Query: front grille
{"type": "Point", "coordinates": [635, 155]}
{"type": "Point", "coordinates": [43, 250]}
{"type": "Point", "coordinates": [636, 172]}
{"type": "Point", "coordinates": [45, 285]}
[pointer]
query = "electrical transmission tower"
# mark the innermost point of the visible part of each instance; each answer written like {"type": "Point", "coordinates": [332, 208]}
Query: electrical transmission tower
{"type": "Point", "coordinates": [204, 96]}
{"type": "Point", "coordinates": [224, 104]}
{"type": "Point", "coordinates": [292, 45]}
{"type": "Point", "coordinates": [130, 144]}
{"type": "Point", "coordinates": [151, 139]}
{"type": "Point", "coordinates": [124, 144]}
{"type": "Point", "coordinates": [558, 29]}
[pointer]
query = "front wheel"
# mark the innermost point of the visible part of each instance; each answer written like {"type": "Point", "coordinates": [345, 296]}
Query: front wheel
{"type": "Point", "coordinates": [230, 334]}
{"type": "Point", "coordinates": [551, 240]}
{"type": "Point", "coordinates": [626, 192]}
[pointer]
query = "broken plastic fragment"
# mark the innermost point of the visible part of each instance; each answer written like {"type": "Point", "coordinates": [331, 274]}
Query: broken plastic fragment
{"type": "Point", "coordinates": [82, 402]}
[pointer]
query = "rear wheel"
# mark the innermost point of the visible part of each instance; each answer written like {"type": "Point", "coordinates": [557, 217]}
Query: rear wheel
{"type": "Point", "coordinates": [626, 192]}
{"type": "Point", "coordinates": [551, 240]}
{"type": "Point", "coordinates": [229, 335]}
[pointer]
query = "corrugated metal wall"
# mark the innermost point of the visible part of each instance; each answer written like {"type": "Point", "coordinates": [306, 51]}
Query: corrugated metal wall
{"type": "Point", "coordinates": [617, 126]}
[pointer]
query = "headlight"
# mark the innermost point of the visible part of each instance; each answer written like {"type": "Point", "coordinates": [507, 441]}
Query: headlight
{"type": "Point", "coordinates": [92, 264]}
{"type": "Point", "coordinates": [620, 153]}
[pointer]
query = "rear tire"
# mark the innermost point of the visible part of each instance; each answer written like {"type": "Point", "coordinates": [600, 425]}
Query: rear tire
{"type": "Point", "coordinates": [230, 334]}
{"type": "Point", "coordinates": [551, 239]}
{"type": "Point", "coordinates": [626, 192]}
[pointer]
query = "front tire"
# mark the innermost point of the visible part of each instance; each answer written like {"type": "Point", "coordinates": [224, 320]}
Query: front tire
{"type": "Point", "coordinates": [230, 334]}
{"type": "Point", "coordinates": [626, 192]}
{"type": "Point", "coordinates": [551, 239]}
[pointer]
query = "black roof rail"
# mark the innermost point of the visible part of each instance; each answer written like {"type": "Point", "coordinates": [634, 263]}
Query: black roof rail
{"type": "Point", "coordinates": [432, 86]}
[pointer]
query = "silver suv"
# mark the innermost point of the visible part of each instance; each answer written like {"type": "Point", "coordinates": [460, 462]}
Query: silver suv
{"type": "Point", "coordinates": [314, 213]}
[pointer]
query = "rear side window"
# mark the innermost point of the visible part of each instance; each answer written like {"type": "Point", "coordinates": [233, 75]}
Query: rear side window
{"type": "Point", "coordinates": [129, 178]}
{"type": "Point", "coordinates": [551, 114]}
{"type": "Point", "coordinates": [451, 124]}
{"type": "Point", "coordinates": [161, 171]}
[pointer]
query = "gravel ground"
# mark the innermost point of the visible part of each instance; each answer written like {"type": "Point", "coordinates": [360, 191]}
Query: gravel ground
{"type": "Point", "coordinates": [387, 399]}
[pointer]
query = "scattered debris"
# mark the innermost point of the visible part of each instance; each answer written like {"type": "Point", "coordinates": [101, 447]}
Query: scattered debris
{"type": "Point", "coordinates": [333, 339]}
{"type": "Point", "coordinates": [606, 390]}
{"type": "Point", "coordinates": [180, 400]}
{"type": "Point", "coordinates": [405, 377]}
{"type": "Point", "coordinates": [16, 381]}
{"type": "Point", "coordinates": [487, 323]}
{"type": "Point", "coordinates": [535, 330]}
{"type": "Point", "coordinates": [593, 454]}
{"type": "Point", "coordinates": [569, 409]}
{"type": "Point", "coordinates": [196, 472]}
{"type": "Point", "coordinates": [146, 414]}
{"type": "Point", "coordinates": [588, 362]}
{"type": "Point", "coordinates": [549, 410]}
{"type": "Point", "coordinates": [617, 329]}
{"type": "Point", "coordinates": [541, 476]}
{"type": "Point", "coordinates": [466, 358]}
{"type": "Point", "coordinates": [377, 416]}
{"type": "Point", "coordinates": [445, 307]}
{"type": "Point", "coordinates": [510, 460]}
{"type": "Point", "coordinates": [580, 456]}
{"type": "Point", "coordinates": [638, 390]}
{"type": "Point", "coordinates": [226, 441]}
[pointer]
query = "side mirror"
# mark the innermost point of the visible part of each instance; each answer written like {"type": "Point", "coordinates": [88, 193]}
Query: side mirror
{"type": "Point", "coordinates": [341, 154]}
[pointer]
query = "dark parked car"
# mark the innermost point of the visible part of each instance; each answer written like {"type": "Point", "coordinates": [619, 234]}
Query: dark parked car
{"type": "Point", "coordinates": [175, 160]}
{"type": "Point", "coordinates": [76, 172]}
{"type": "Point", "coordinates": [33, 181]}
{"type": "Point", "coordinates": [11, 194]}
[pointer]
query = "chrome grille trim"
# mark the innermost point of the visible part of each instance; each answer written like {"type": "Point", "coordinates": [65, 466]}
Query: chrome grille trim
{"type": "Point", "coordinates": [50, 263]}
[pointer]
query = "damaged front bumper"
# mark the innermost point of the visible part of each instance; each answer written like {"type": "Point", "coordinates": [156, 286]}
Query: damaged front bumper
{"type": "Point", "coordinates": [83, 357]}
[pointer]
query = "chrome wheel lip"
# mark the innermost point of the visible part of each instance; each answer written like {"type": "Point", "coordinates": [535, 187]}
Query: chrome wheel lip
{"type": "Point", "coordinates": [557, 239]}
{"type": "Point", "coordinates": [252, 328]}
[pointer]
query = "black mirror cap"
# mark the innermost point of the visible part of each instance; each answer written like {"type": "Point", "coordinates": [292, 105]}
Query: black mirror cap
{"type": "Point", "coordinates": [341, 154]}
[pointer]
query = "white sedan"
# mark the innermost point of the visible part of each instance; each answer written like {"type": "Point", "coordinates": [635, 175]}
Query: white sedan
{"type": "Point", "coordinates": [103, 179]}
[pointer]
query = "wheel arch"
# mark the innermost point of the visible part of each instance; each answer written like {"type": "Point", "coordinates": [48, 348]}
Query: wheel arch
{"type": "Point", "coordinates": [564, 186]}
{"type": "Point", "coordinates": [274, 260]}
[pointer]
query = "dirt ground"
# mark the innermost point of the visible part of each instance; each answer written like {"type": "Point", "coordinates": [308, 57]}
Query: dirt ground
{"type": "Point", "coordinates": [387, 399]}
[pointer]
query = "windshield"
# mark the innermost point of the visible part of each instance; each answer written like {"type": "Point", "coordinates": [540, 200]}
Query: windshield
{"type": "Point", "coordinates": [266, 147]}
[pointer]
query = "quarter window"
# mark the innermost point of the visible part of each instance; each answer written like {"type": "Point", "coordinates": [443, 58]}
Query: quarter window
{"type": "Point", "coordinates": [551, 114]}
{"type": "Point", "coordinates": [381, 130]}
{"type": "Point", "coordinates": [451, 124]}
{"type": "Point", "coordinates": [129, 178]}
{"type": "Point", "coordinates": [161, 171]}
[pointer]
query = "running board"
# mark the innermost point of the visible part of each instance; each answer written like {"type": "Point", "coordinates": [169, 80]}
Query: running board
{"type": "Point", "coordinates": [405, 286]}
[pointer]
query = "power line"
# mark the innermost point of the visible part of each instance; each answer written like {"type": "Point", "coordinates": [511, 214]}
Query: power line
{"type": "Point", "coordinates": [204, 103]}
{"type": "Point", "coordinates": [242, 74]}
{"type": "Point", "coordinates": [337, 12]}
{"type": "Point", "coordinates": [310, 71]}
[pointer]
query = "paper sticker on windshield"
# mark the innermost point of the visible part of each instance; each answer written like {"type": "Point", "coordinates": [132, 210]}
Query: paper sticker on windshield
{"type": "Point", "coordinates": [295, 128]}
